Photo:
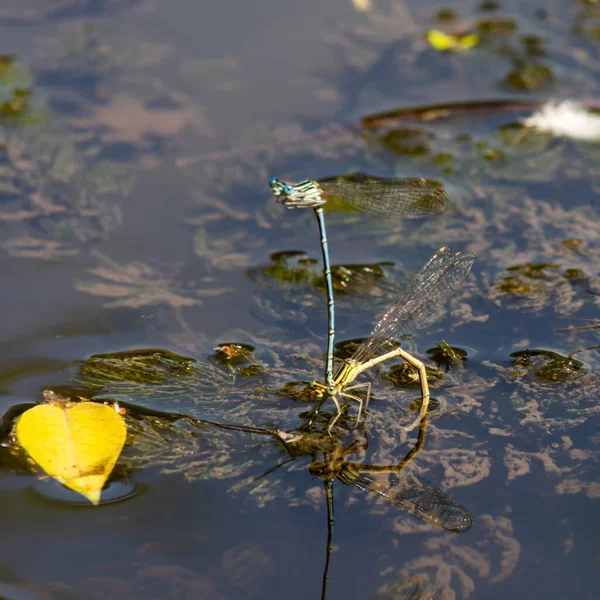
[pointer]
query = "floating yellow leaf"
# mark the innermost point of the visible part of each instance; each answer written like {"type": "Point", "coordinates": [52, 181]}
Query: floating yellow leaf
{"type": "Point", "coordinates": [468, 41]}
{"type": "Point", "coordinates": [76, 443]}
{"type": "Point", "coordinates": [443, 41]}
{"type": "Point", "coordinates": [440, 40]}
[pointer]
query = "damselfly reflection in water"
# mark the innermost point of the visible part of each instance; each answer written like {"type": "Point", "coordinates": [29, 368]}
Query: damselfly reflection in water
{"type": "Point", "coordinates": [392, 483]}
{"type": "Point", "coordinates": [409, 493]}
{"type": "Point", "coordinates": [433, 285]}
{"type": "Point", "coordinates": [408, 198]}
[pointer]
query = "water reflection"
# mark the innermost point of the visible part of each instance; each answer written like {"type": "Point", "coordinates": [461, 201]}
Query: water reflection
{"type": "Point", "coordinates": [329, 454]}
{"type": "Point", "coordinates": [116, 490]}
{"type": "Point", "coordinates": [156, 439]}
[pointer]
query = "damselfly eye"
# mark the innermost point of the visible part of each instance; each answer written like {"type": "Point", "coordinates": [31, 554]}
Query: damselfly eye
{"type": "Point", "coordinates": [273, 181]}
{"type": "Point", "coordinates": [288, 189]}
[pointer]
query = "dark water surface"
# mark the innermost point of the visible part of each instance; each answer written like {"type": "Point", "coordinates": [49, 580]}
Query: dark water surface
{"type": "Point", "coordinates": [138, 138]}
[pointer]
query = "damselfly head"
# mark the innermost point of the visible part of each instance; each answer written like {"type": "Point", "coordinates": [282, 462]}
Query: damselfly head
{"type": "Point", "coordinates": [277, 186]}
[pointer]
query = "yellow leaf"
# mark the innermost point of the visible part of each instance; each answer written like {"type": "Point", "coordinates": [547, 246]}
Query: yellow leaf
{"type": "Point", "coordinates": [440, 40]}
{"type": "Point", "coordinates": [76, 443]}
{"type": "Point", "coordinates": [443, 41]}
{"type": "Point", "coordinates": [468, 41]}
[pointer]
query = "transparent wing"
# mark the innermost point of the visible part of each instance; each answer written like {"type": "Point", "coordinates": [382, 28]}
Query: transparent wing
{"type": "Point", "coordinates": [409, 198]}
{"type": "Point", "coordinates": [426, 293]}
{"type": "Point", "coordinates": [420, 498]}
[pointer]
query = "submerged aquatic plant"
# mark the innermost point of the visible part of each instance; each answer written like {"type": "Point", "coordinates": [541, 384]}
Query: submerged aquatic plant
{"type": "Point", "coordinates": [136, 284]}
{"type": "Point", "coordinates": [547, 366]}
{"type": "Point", "coordinates": [535, 286]}
{"type": "Point", "coordinates": [53, 201]}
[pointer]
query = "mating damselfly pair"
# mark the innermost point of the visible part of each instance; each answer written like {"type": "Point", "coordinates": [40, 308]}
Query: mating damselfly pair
{"type": "Point", "coordinates": [432, 286]}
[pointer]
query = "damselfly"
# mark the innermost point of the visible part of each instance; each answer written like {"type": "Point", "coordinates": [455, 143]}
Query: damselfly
{"type": "Point", "coordinates": [436, 282]}
{"type": "Point", "coordinates": [408, 198]}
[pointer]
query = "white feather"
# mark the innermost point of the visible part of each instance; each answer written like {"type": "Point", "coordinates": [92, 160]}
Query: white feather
{"type": "Point", "coordinates": [567, 119]}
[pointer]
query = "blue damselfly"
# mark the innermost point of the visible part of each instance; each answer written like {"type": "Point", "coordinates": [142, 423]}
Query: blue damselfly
{"type": "Point", "coordinates": [408, 198]}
